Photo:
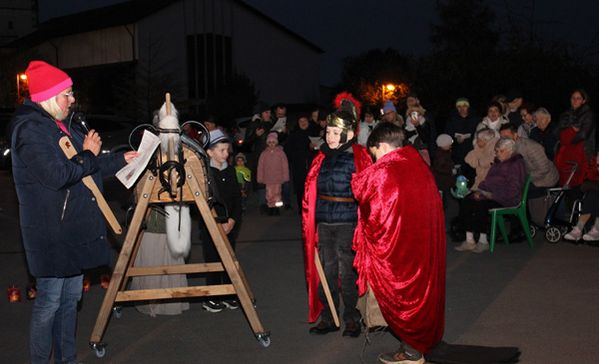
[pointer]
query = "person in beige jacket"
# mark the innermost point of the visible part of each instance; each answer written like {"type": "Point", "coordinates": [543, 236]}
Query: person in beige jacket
{"type": "Point", "coordinates": [483, 154]}
{"type": "Point", "coordinates": [542, 171]}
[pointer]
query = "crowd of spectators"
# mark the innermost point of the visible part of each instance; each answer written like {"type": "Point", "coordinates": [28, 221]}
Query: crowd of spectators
{"type": "Point", "coordinates": [467, 144]}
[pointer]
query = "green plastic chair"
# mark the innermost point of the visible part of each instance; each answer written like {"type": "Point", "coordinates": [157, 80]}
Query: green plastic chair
{"type": "Point", "coordinates": [519, 211]}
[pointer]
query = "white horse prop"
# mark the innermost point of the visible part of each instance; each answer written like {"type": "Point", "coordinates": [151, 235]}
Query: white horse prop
{"type": "Point", "coordinates": [178, 219]}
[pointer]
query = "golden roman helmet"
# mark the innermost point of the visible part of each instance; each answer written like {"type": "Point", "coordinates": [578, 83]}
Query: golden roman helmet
{"type": "Point", "coordinates": [347, 114]}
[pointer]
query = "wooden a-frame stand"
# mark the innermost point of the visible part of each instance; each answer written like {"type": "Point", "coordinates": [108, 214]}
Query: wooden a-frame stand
{"type": "Point", "coordinates": [192, 191]}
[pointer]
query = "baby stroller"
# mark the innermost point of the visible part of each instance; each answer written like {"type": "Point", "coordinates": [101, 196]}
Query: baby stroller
{"type": "Point", "coordinates": [559, 217]}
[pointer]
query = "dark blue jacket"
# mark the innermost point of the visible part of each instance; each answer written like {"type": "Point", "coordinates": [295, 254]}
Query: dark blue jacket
{"type": "Point", "coordinates": [459, 124]}
{"type": "Point", "coordinates": [548, 138]}
{"type": "Point", "coordinates": [334, 179]}
{"type": "Point", "coordinates": [62, 226]}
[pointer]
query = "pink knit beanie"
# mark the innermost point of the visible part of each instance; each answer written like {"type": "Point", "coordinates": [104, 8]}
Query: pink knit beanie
{"type": "Point", "coordinates": [45, 80]}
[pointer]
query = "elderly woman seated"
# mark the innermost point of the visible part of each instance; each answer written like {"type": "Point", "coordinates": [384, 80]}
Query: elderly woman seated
{"type": "Point", "coordinates": [481, 157]}
{"type": "Point", "coordinates": [502, 187]}
{"type": "Point", "coordinates": [545, 132]}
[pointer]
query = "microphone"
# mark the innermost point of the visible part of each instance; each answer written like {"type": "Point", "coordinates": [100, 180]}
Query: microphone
{"type": "Point", "coordinates": [80, 118]}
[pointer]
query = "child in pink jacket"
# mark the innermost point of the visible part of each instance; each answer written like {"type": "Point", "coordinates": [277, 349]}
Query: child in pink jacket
{"type": "Point", "coordinates": [273, 171]}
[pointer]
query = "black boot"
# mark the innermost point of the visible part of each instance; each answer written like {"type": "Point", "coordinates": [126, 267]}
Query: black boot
{"type": "Point", "coordinates": [323, 328]}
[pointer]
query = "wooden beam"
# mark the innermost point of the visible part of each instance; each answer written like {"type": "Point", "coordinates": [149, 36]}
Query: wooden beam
{"type": "Point", "coordinates": [181, 292]}
{"type": "Point", "coordinates": [175, 269]}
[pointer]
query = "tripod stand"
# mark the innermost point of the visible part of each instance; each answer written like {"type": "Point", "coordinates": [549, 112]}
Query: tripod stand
{"type": "Point", "coordinates": [193, 191]}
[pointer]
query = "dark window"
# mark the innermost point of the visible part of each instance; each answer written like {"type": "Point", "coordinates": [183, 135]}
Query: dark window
{"type": "Point", "coordinates": [210, 63]}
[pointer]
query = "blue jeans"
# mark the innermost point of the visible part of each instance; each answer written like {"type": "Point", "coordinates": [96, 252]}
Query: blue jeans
{"type": "Point", "coordinates": [54, 319]}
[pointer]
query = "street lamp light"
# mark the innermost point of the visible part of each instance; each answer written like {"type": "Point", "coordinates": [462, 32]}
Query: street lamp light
{"type": "Point", "coordinates": [21, 80]}
{"type": "Point", "coordinates": [389, 87]}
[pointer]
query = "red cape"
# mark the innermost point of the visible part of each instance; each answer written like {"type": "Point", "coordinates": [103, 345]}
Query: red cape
{"type": "Point", "coordinates": [568, 153]}
{"type": "Point", "coordinates": [400, 245]}
{"type": "Point", "coordinates": [362, 160]}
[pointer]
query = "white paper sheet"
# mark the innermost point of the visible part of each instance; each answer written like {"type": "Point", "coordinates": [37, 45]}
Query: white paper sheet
{"type": "Point", "coordinates": [317, 142]}
{"type": "Point", "coordinates": [131, 172]}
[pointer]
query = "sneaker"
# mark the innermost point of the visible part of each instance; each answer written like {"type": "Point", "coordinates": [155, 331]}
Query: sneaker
{"type": "Point", "coordinates": [481, 247]}
{"type": "Point", "coordinates": [231, 304]}
{"type": "Point", "coordinates": [401, 357]}
{"type": "Point", "coordinates": [467, 245]}
{"type": "Point", "coordinates": [213, 306]}
{"type": "Point", "coordinates": [592, 235]}
{"type": "Point", "coordinates": [574, 235]}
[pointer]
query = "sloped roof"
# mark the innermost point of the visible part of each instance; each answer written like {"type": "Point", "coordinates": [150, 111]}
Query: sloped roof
{"type": "Point", "coordinates": [121, 14]}
{"type": "Point", "coordinates": [90, 20]}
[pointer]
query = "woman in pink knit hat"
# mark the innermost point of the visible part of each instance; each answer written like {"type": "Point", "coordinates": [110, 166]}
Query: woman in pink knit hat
{"type": "Point", "coordinates": [273, 171]}
{"type": "Point", "coordinates": [62, 226]}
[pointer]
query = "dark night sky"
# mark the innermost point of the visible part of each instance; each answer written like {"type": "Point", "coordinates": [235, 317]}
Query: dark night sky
{"type": "Point", "coordinates": [344, 30]}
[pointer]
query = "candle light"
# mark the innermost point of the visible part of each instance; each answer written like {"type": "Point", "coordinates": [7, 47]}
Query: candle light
{"type": "Point", "coordinates": [105, 281]}
{"type": "Point", "coordinates": [14, 294]}
{"type": "Point", "coordinates": [87, 283]}
{"type": "Point", "coordinates": [31, 291]}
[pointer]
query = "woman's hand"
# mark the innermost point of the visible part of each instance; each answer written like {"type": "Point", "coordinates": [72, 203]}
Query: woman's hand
{"type": "Point", "coordinates": [92, 142]}
{"type": "Point", "coordinates": [129, 156]}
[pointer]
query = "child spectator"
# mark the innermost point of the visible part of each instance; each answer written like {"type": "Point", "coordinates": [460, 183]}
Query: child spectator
{"type": "Point", "coordinates": [443, 164]}
{"type": "Point", "coordinates": [244, 178]}
{"type": "Point", "coordinates": [273, 171]}
{"type": "Point", "coordinates": [226, 192]}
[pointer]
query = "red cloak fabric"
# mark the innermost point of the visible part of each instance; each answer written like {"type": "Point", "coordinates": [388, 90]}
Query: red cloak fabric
{"type": "Point", "coordinates": [568, 153]}
{"type": "Point", "coordinates": [400, 245]}
{"type": "Point", "coordinates": [362, 160]}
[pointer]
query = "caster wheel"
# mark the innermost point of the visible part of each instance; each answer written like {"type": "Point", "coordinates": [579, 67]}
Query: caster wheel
{"type": "Point", "coordinates": [100, 352]}
{"type": "Point", "coordinates": [553, 234]}
{"type": "Point", "coordinates": [117, 312]}
{"type": "Point", "coordinates": [533, 231]}
{"type": "Point", "coordinates": [264, 339]}
{"type": "Point", "coordinates": [99, 349]}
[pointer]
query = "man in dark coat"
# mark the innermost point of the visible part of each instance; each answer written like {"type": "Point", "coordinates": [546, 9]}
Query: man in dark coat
{"type": "Point", "coordinates": [255, 139]}
{"type": "Point", "coordinates": [62, 226]}
{"type": "Point", "coordinates": [299, 153]}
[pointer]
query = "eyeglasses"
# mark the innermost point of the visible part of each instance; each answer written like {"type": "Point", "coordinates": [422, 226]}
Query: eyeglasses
{"type": "Point", "coordinates": [69, 94]}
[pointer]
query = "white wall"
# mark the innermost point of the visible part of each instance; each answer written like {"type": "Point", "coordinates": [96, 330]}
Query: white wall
{"type": "Point", "coordinates": [100, 47]}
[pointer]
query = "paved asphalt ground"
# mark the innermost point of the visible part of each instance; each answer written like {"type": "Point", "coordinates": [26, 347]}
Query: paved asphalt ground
{"type": "Point", "coordinates": [544, 300]}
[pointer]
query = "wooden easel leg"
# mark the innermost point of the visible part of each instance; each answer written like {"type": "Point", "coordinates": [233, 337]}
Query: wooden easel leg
{"type": "Point", "coordinates": [136, 247]}
{"type": "Point", "coordinates": [229, 262]}
{"type": "Point", "coordinates": [124, 257]}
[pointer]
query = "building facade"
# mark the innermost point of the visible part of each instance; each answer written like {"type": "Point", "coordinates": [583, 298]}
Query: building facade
{"type": "Point", "coordinates": [189, 48]}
